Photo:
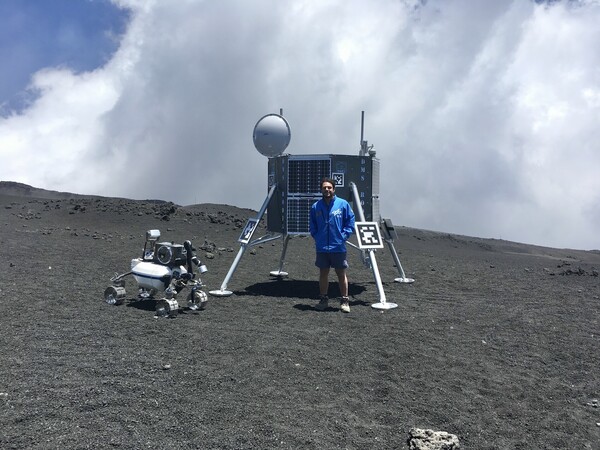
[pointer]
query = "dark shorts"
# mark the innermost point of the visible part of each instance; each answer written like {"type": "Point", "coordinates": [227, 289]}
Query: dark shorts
{"type": "Point", "coordinates": [335, 260]}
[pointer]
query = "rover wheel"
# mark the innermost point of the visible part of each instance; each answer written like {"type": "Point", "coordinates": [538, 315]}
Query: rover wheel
{"type": "Point", "coordinates": [197, 300]}
{"type": "Point", "coordinates": [114, 295]}
{"type": "Point", "coordinates": [167, 308]}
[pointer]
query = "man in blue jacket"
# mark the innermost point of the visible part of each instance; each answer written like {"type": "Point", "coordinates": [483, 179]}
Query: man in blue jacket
{"type": "Point", "coordinates": [331, 224]}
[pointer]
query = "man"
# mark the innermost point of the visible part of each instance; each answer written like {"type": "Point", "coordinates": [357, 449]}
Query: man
{"type": "Point", "coordinates": [331, 224]}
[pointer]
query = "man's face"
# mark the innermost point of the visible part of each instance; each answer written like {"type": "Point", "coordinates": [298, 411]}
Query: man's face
{"type": "Point", "coordinates": [327, 189]}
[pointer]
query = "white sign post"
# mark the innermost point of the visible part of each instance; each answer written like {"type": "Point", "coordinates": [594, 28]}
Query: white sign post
{"type": "Point", "coordinates": [369, 238]}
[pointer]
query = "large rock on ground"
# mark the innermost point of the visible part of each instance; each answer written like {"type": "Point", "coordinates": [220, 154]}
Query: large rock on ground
{"type": "Point", "coordinates": [419, 439]}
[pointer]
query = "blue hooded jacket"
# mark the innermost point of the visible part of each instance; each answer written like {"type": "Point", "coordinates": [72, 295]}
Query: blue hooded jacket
{"type": "Point", "coordinates": [331, 225]}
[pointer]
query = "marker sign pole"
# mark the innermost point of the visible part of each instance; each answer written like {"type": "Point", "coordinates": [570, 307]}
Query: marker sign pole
{"type": "Point", "coordinates": [369, 238]}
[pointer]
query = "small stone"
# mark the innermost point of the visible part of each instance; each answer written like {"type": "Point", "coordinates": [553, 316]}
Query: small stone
{"type": "Point", "coordinates": [420, 439]}
{"type": "Point", "coordinates": [166, 366]}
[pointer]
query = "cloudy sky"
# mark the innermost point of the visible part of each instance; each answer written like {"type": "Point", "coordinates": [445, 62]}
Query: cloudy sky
{"type": "Point", "coordinates": [485, 114]}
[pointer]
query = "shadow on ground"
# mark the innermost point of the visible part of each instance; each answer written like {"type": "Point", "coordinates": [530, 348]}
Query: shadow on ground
{"type": "Point", "coordinates": [297, 289]}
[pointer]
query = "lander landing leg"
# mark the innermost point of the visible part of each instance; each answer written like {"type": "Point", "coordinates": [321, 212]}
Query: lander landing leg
{"type": "Point", "coordinates": [389, 233]}
{"type": "Point", "coordinates": [280, 273]}
{"type": "Point", "coordinates": [402, 278]}
{"type": "Point", "coordinates": [246, 241]}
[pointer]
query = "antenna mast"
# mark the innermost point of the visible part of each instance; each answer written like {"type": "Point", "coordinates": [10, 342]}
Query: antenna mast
{"type": "Point", "coordinates": [364, 145]}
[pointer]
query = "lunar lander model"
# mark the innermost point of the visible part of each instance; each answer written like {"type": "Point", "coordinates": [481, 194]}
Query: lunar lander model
{"type": "Point", "coordinates": [294, 185]}
{"type": "Point", "coordinates": [164, 270]}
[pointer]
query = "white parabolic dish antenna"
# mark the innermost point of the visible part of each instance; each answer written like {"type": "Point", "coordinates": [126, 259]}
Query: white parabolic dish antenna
{"type": "Point", "coordinates": [271, 135]}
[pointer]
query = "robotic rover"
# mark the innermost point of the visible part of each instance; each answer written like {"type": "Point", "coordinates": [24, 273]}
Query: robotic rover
{"type": "Point", "coordinates": [164, 268]}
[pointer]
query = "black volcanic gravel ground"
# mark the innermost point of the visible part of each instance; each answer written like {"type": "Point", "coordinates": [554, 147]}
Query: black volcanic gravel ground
{"type": "Point", "coordinates": [495, 342]}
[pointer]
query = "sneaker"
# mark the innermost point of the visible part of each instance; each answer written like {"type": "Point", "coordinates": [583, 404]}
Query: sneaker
{"type": "Point", "coordinates": [322, 305]}
{"type": "Point", "coordinates": [345, 304]}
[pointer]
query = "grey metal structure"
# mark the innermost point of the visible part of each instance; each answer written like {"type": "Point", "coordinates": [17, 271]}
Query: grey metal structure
{"type": "Point", "coordinates": [294, 185]}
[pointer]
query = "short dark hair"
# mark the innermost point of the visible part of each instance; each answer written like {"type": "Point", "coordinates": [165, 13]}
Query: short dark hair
{"type": "Point", "coordinates": [327, 180]}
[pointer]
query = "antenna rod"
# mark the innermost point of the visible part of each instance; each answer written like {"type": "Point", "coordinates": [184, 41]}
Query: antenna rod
{"type": "Point", "coordinates": [362, 127]}
{"type": "Point", "coordinates": [363, 143]}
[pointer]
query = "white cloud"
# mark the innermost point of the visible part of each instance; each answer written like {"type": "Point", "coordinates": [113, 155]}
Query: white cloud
{"type": "Point", "coordinates": [484, 115]}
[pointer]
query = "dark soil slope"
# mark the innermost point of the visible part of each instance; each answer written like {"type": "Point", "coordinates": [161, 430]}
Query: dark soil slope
{"type": "Point", "coordinates": [495, 342]}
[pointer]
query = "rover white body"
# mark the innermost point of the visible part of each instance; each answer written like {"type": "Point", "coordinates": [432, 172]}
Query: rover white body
{"type": "Point", "coordinates": [153, 276]}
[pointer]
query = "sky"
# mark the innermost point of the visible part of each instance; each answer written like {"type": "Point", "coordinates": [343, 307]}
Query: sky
{"type": "Point", "coordinates": [485, 114]}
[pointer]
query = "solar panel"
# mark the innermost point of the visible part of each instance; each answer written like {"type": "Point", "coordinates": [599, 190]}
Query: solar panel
{"type": "Point", "coordinates": [298, 214]}
{"type": "Point", "coordinates": [304, 175]}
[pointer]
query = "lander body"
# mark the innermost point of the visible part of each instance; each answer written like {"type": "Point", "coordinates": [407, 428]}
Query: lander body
{"type": "Point", "coordinates": [294, 185]}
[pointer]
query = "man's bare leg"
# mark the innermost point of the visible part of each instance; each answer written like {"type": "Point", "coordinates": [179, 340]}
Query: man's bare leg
{"type": "Point", "coordinates": [324, 280]}
{"type": "Point", "coordinates": [323, 289]}
{"type": "Point", "coordinates": [343, 281]}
